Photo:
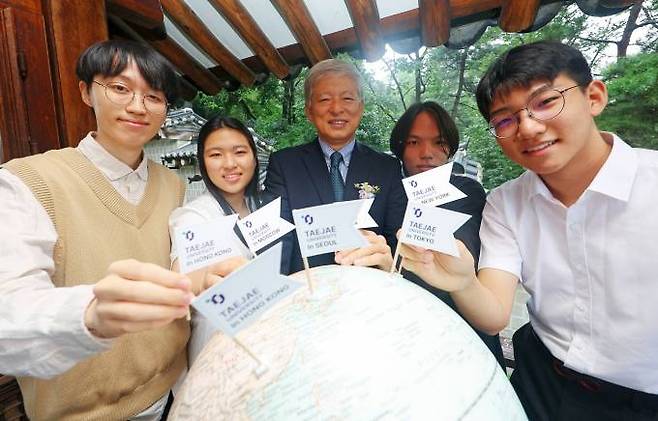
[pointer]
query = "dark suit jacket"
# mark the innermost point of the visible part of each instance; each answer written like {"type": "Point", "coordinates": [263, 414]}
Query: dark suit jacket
{"type": "Point", "coordinates": [299, 175]}
{"type": "Point", "coordinates": [469, 234]}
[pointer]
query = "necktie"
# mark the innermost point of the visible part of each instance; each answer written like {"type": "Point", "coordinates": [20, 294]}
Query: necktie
{"type": "Point", "coordinates": [336, 178]}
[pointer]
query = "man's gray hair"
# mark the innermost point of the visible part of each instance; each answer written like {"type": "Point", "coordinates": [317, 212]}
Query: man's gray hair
{"type": "Point", "coordinates": [334, 67]}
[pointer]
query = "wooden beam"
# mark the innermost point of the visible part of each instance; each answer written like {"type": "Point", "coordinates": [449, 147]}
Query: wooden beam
{"type": "Point", "coordinates": [462, 8]}
{"type": "Point", "coordinates": [393, 27]}
{"type": "Point", "coordinates": [365, 18]}
{"type": "Point", "coordinates": [187, 90]}
{"type": "Point", "coordinates": [189, 23]}
{"type": "Point", "coordinates": [517, 15]}
{"type": "Point", "coordinates": [240, 19]}
{"type": "Point", "coordinates": [66, 42]}
{"type": "Point", "coordinates": [185, 63]}
{"type": "Point", "coordinates": [145, 13]}
{"type": "Point", "coordinates": [434, 21]}
{"type": "Point", "coordinates": [301, 24]}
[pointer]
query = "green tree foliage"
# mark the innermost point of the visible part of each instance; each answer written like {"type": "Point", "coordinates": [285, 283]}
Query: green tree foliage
{"type": "Point", "coordinates": [633, 100]}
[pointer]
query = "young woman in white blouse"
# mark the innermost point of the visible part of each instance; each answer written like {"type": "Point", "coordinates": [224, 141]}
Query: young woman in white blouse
{"type": "Point", "coordinates": [229, 168]}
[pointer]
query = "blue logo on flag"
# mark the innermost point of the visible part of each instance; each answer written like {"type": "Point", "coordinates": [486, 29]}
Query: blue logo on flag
{"type": "Point", "coordinates": [308, 219]}
{"type": "Point", "coordinates": [217, 299]}
{"type": "Point", "coordinates": [418, 212]}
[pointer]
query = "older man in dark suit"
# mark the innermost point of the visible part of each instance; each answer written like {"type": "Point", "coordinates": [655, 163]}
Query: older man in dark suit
{"type": "Point", "coordinates": [335, 167]}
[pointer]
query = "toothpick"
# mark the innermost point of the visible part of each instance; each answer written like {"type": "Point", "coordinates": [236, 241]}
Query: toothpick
{"type": "Point", "coordinates": [307, 272]}
{"type": "Point", "coordinates": [261, 367]}
{"type": "Point", "coordinates": [395, 258]}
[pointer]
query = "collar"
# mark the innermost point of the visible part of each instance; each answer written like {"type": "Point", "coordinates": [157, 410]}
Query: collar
{"type": "Point", "coordinates": [614, 179]}
{"type": "Point", "coordinates": [108, 164]}
{"type": "Point", "coordinates": [346, 151]}
{"type": "Point", "coordinates": [616, 176]}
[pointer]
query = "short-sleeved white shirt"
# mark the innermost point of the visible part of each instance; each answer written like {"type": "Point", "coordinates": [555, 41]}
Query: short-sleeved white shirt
{"type": "Point", "coordinates": [590, 269]}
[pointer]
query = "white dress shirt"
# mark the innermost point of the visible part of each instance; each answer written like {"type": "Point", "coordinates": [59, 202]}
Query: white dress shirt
{"type": "Point", "coordinates": [42, 331]}
{"type": "Point", "coordinates": [589, 268]}
{"type": "Point", "coordinates": [202, 209]}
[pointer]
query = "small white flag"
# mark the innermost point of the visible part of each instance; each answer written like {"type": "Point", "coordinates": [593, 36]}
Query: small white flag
{"type": "Point", "coordinates": [327, 228]}
{"type": "Point", "coordinates": [264, 226]}
{"type": "Point", "coordinates": [246, 294]}
{"type": "Point", "coordinates": [363, 219]}
{"type": "Point", "coordinates": [432, 187]}
{"type": "Point", "coordinates": [432, 228]}
{"type": "Point", "coordinates": [201, 245]}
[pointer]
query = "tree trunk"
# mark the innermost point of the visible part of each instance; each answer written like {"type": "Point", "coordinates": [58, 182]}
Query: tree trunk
{"type": "Point", "coordinates": [460, 86]}
{"type": "Point", "coordinates": [289, 101]}
{"type": "Point", "coordinates": [631, 25]}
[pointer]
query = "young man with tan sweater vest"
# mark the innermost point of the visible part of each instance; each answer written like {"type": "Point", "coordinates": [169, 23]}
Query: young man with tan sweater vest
{"type": "Point", "coordinates": [92, 322]}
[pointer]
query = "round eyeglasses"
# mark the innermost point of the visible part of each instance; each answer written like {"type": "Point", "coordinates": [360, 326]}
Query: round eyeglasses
{"type": "Point", "coordinates": [122, 95]}
{"type": "Point", "coordinates": [543, 105]}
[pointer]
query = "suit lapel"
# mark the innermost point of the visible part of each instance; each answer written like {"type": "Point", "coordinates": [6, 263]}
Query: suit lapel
{"type": "Point", "coordinates": [357, 171]}
{"type": "Point", "coordinates": [316, 167]}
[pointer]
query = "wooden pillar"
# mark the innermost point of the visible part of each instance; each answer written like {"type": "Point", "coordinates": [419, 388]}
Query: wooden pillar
{"type": "Point", "coordinates": [27, 107]}
{"type": "Point", "coordinates": [72, 25]}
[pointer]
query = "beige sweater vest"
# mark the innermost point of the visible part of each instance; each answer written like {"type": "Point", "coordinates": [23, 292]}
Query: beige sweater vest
{"type": "Point", "coordinates": [96, 226]}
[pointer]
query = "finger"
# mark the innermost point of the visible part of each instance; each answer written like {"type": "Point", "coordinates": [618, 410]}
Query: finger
{"type": "Point", "coordinates": [210, 280]}
{"type": "Point", "coordinates": [138, 312]}
{"type": "Point", "coordinates": [418, 267]}
{"type": "Point", "coordinates": [340, 255]}
{"type": "Point", "coordinates": [408, 251]}
{"type": "Point", "coordinates": [373, 238]}
{"type": "Point", "coordinates": [115, 288]}
{"type": "Point", "coordinates": [375, 259]}
{"type": "Point", "coordinates": [139, 271]}
{"type": "Point", "coordinates": [367, 233]}
{"type": "Point", "coordinates": [225, 267]}
{"type": "Point", "coordinates": [363, 252]}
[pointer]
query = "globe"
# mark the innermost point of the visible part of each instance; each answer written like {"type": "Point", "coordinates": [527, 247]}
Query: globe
{"type": "Point", "coordinates": [365, 345]}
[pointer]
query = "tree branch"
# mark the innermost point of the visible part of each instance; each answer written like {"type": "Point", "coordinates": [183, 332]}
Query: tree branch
{"type": "Point", "coordinates": [653, 23]}
{"type": "Point", "coordinates": [380, 106]}
{"type": "Point", "coordinates": [606, 41]}
{"type": "Point", "coordinates": [397, 83]}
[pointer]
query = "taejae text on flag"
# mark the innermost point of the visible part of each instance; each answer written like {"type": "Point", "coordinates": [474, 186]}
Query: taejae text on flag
{"type": "Point", "coordinates": [432, 187]}
{"type": "Point", "coordinates": [328, 228]}
{"type": "Point", "coordinates": [264, 226]}
{"type": "Point", "coordinates": [246, 294]}
{"type": "Point", "coordinates": [431, 228]}
{"type": "Point", "coordinates": [200, 245]}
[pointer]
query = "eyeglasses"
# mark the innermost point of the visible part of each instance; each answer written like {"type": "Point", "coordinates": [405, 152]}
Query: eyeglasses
{"type": "Point", "coordinates": [122, 95]}
{"type": "Point", "coordinates": [542, 105]}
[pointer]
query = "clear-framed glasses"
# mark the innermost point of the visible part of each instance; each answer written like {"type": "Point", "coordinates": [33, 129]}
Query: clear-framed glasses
{"type": "Point", "coordinates": [543, 105]}
{"type": "Point", "coordinates": [120, 94]}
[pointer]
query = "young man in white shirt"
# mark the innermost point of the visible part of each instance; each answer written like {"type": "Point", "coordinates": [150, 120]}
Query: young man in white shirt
{"type": "Point", "coordinates": [574, 230]}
